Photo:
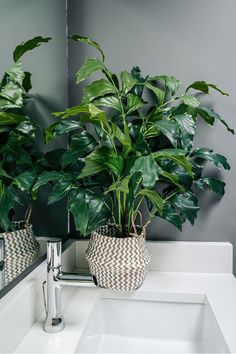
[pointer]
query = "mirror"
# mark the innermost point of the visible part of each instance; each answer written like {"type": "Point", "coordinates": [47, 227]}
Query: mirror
{"type": "Point", "coordinates": [48, 65]}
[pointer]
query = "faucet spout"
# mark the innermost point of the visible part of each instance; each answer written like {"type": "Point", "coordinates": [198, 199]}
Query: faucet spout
{"type": "Point", "coordinates": [56, 279]}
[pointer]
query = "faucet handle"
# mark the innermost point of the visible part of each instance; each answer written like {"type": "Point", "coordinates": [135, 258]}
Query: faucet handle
{"type": "Point", "coordinates": [54, 253]}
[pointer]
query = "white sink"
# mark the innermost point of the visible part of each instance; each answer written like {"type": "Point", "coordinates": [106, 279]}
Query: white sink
{"type": "Point", "coordinates": [141, 326]}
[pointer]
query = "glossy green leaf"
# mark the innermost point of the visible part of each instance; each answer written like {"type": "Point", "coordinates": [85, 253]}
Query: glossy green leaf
{"type": "Point", "coordinates": [60, 191]}
{"type": "Point", "coordinates": [186, 204]}
{"type": "Point", "coordinates": [208, 154]}
{"type": "Point", "coordinates": [88, 209]}
{"type": "Point", "coordinates": [128, 81]}
{"type": "Point", "coordinates": [209, 116]}
{"type": "Point", "coordinates": [169, 81]}
{"type": "Point", "coordinates": [26, 84]}
{"type": "Point", "coordinates": [47, 177]}
{"type": "Point", "coordinates": [27, 127]}
{"type": "Point", "coordinates": [25, 180]}
{"type": "Point", "coordinates": [89, 42]}
{"type": "Point", "coordinates": [203, 86]}
{"type": "Point", "coordinates": [134, 103]}
{"type": "Point", "coordinates": [173, 156]}
{"type": "Point", "coordinates": [60, 128]}
{"type": "Point", "coordinates": [72, 111]}
{"type": "Point", "coordinates": [123, 137]}
{"type": "Point", "coordinates": [187, 128]}
{"type": "Point", "coordinates": [120, 186]}
{"type": "Point", "coordinates": [160, 94]}
{"type": "Point", "coordinates": [101, 159]}
{"type": "Point", "coordinates": [11, 118]}
{"type": "Point", "coordinates": [148, 169]}
{"type": "Point", "coordinates": [170, 129]}
{"type": "Point", "coordinates": [88, 68]}
{"type": "Point", "coordinates": [7, 204]}
{"type": "Point", "coordinates": [81, 145]}
{"type": "Point", "coordinates": [108, 101]}
{"type": "Point", "coordinates": [11, 96]}
{"type": "Point", "coordinates": [190, 101]}
{"type": "Point", "coordinates": [213, 184]}
{"type": "Point", "coordinates": [170, 214]}
{"type": "Point", "coordinates": [28, 45]}
{"type": "Point", "coordinates": [16, 73]}
{"type": "Point", "coordinates": [97, 89]}
{"type": "Point", "coordinates": [153, 197]}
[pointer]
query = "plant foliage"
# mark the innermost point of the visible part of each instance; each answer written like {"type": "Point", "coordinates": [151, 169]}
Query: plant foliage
{"type": "Point", "coordinates": [132, 144]}
{"type": "Point", "coordinates": [19, 155]}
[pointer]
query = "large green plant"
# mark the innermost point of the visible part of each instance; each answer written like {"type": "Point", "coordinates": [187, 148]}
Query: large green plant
{"type": "Point", "coordinates": [19, 155]}
{"type": "Point", "coordinates": [132, 143]}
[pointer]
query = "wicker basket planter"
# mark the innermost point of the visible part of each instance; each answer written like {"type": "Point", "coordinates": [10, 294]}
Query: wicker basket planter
{"type": "Point", "coordinates": [21, 249]}
{"type": "Point", "coordinates": [117, 263]}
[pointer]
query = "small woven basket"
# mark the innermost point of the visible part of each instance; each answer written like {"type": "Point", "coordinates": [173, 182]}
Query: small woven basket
{"type": "Point", "coordinates": [20, 248]}
{"type": "Point", "coordinates": [117, 263]}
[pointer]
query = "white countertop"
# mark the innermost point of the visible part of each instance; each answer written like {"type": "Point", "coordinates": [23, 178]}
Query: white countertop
{"type": "Point", "coordinates": [220, 290]}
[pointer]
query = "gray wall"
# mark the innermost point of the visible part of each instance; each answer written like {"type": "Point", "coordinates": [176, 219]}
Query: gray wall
{"type": "Point", "coordinates": [192, 40]}
{"type": "Point", "coordinates": [21, 20]}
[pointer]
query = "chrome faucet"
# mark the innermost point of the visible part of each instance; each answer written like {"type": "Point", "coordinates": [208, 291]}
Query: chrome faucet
{"type": "Point", "coordinates": [56, 278]}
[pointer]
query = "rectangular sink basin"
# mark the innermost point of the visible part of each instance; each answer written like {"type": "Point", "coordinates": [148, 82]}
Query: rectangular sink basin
{"type": "Point", "coordinates": [141, 326]}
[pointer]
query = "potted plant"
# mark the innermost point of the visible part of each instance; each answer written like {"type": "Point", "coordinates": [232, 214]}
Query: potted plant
{"type": "Point", "coordinates": [131, 145]}
{"type": "Point", "coordinates": [19, 162]}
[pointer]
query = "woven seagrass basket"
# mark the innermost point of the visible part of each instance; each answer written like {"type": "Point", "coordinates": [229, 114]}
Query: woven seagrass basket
{"type": "Point", "coordinates": [20, 248]}
{"type": "Point", "coordinates": [117, 263]}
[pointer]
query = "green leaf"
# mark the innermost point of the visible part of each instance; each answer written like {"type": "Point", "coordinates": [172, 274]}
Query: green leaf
{"type": "Point", "coordinates": [72, 111]}
{"type": "Point", "coordinates": [187, 128]}
{"type": "Point", "coordinates": [170, 214]}
{"type": "Point", "coordinates": [148, 168]}
{"type": "Point", "coordinates": [174, 179]}
{"type": "Point", "coordinates": [27, 127]}
{"type": "Point", "coordinates": [190, 101]}
{"type": "Point", "coordinates": [120, 186]}
{"type": "Point", "coordinates": [29, 45]}
{"type": "Point", "coordinates": [101, 159]}
{"type": "Point", "coordinates": [16, 74]}
{"type": "Point", "coordinates": [7, 202]}
{"type": "Point", "coordinates": [209, 116]}
{"type": "Point", "coordinates": [214, 184]}
{"type": "Point", "coordinates": [59, 128]}
{"type": "Point", "coordinates": [11, 118]}
{"type": "Point", "coordinates": [134, 103]}
{"type": "Point", "coordinates": [169, 81]}
{"type": "Point", "coordinates": [108, 101]}
{"type": "Point", "coordinates": [153, 197]}
{"type": "Point", "coordinates": [186, 204]}
{"type": "Point", "coordinates": [160, 94]}
{"type": "Point", "coordinates": [11, 96]}
{"type": "Point", "coordinates": [26, 84]}
{"type": "Point", "coordinates": [173, 156]}
{"type": "Point", "coordinates": [97, 89]}
{"type": "Point", "coordinates": [123, 137]}
{"type": "Point", "coordinates": [170, 129]}
{"type": "Point", "coordinates": [208, 154]}
{"type": "Point", "coordinates": [128, 81]}
{"type": "Point", "coordinates": [204, 87]}
{"type": "Point", "coordinates": [60, 190]}
{"type": "Point", "coordinates": [25, 180]}
{"type": "Point", "coordinates": [88, 209]}
{"type": "Point", "coordinates": [47, 177]}
{"type": "Point", "coordinates": [81, 145]}
{"type": "Point", "coordinates": [89, 42]}
{"type": "Point", "coordinates": [88, 68]}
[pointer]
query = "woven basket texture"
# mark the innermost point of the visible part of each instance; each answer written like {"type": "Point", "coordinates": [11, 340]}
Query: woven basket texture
{"type": "Point", "coordinates": [117, 263]}
{"type": "Point", "coordinates": [21, 249]}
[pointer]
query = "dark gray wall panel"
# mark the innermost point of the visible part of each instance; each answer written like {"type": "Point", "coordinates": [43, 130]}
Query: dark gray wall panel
{"type": "Point", "coordinates": [190, 39]}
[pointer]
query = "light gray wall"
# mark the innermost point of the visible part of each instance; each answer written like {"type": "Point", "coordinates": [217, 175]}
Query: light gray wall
{"type": "Point", "coordinates": [192, 40]}
{"type": "Point", "coordinates": [21, 20]}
